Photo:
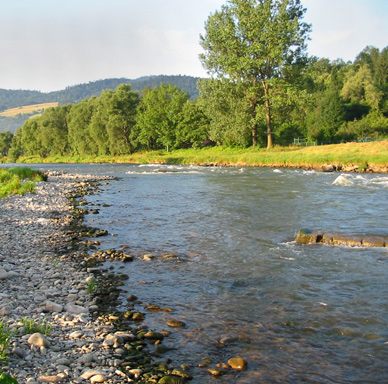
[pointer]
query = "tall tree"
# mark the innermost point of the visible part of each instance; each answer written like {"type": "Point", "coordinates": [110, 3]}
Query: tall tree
{"type": "Point", "coordinates": [228, 112]}
{"type": "Point", "coordinates": [193, 126]}
{"type": "Point", "coordinates": [158, 116]}
{"type": "Point", "coordinates": [260, 44]}
{"type": "Point", "coordinates": [79, 119]}
{"type": "Point", "coordinates": [121, 108]}
{"type": "Point", "coordinates": [5, 142]}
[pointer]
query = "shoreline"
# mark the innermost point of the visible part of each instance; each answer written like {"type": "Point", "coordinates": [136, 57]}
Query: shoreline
{"type": "Point", "coordinates": [371, 157]}
{"type": "Point", "coordinates": [44, 278]}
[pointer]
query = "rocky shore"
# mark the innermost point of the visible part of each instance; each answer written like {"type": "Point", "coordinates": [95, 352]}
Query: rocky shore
{"type": "Point", "coordinates": [61, 331]}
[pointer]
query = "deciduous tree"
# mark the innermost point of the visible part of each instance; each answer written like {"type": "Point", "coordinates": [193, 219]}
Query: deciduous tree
{"type": "Point", "coordinates": [260, 44]}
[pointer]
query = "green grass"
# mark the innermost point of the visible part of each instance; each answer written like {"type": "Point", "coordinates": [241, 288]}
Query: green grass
{"type": "Point", "coordinates": [19, 180]}
{"type": "Point", "coordinates": [7, 379]}
{"type": "Point", "coordinates": [33, 326]}
{"type": "Point", "coordinates": [374, 153]}
{"type": "Point", "coordinates": [5, 339]}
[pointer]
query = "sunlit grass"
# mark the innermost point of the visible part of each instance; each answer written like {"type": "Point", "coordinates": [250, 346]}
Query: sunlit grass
{"type": "Point", "coordinates": [374, 153]}
{"type": "Point", "coordinates": [18, 180]}
{"type": "Point", "coordinates": [27, 109]}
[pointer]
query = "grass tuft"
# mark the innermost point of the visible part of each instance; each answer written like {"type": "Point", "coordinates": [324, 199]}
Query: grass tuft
{"type": "Point", "coordinates": [5, 339]}
{"type": "Point", "coordinates": [19, 180]}
{"type": "Point", "coordinates": [34, 326]}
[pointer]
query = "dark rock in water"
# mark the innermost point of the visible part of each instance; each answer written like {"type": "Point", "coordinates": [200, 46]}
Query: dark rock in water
{"type": "Point", "coordinates": [306, 236]}
{"type": "Point", "coordinates": [151, 335]}
{"type": "Point", "coordinates": [171, 380]}
{"type": "Point", "coordinates": [339, 239]}
{"type": "Point", "coordinates": [173, 323]}
{"type": "Point", "coordinates": [328, 168]}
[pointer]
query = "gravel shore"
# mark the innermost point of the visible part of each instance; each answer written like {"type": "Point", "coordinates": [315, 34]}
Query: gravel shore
{"type": "Point", "coordinates": [40, 284]}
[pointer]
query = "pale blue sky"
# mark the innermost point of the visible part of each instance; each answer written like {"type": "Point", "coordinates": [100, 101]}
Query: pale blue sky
{"type": "Point", "coordinates": [50, 44]}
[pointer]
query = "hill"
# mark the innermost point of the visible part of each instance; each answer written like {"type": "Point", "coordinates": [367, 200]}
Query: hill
{"type": "Point", "coordinates": [74, 94]}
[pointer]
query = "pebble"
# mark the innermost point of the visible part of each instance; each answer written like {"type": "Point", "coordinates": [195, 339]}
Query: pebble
{"type": "Point", "coordinates": [36, 284]}
{"type": "Point", "coordinates": [40, 281]}
{"type": "Point", "coordinates": [38, 340]}
{"type": "Point", "coordinates": [237, 363]}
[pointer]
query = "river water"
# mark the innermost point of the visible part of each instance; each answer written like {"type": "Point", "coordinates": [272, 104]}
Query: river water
{"type": "Point", "coordinates": [294, 313]}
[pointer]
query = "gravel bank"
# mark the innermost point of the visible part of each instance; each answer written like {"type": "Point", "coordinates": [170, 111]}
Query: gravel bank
{"type": "Point", "coordinates": [39, 283]}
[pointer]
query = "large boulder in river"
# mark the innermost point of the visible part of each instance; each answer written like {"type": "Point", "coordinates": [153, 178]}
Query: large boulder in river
{"type": "Point", "coordinates": [327, 238]}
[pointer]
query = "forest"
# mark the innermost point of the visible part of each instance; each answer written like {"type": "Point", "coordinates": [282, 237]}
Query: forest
{"type": "Point", "coordinates": [256, 95]}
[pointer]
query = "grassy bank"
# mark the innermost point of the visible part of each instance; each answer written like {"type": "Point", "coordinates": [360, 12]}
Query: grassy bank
{"type": "Point", "coordinates": [374, 155]}
{"type": "Point", "coordinates": [18, 181]}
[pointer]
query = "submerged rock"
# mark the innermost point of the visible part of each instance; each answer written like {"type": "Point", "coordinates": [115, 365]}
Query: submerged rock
{"type": "Point", "coordinates": [237, 363]}
{"type": "Point", "coordinates": [342, 180]}
{"type": "Point", "coordinates": [338, 239]}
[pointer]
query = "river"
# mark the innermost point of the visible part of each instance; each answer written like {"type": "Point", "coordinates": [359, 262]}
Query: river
{"type": "Point", "coordinates": [294, 313]}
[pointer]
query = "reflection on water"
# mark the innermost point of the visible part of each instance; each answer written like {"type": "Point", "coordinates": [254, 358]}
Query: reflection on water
{"type": "Point", "coordinates": [312, 314]}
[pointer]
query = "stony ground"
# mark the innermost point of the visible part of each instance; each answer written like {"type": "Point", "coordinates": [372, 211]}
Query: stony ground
{"type": "Point", "coordinates": [38, 287]}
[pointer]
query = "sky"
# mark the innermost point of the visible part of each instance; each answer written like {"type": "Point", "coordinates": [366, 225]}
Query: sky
{"type": "Point", "coordinates": [47, 45]}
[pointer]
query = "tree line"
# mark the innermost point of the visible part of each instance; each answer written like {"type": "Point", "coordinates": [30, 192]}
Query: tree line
{"type": "Point", "coordinates": [76, 93]}
{"type": "Point", "coordinates": [263, 89]}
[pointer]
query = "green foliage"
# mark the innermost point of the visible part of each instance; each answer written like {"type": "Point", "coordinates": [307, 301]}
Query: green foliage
{"type": "Point", "coordinates": [5, 142]}
{"type": "Point", "coordinates": [7, 379]}
{"type": "Point", "coordinates": [228, 112]}
{"type": "Point", "coordinates": [158, 117]}
{"type": "Point", "coordinates": [5, 339]}
{"type": "Point", "coordinates": [261, 45]}
{"type": "Point", "coordinates": [28, 173]}
{"type": "Point", "coordinates": [91, 286]}
{"type": "Point", "coordinates": [328, 117]}
{"type": "Point", "coordinates": [33, 326]}
{"type": "Point", "coordinates": [374, 125]}
{"type": "Point", "coordinates": [79, 134]}
{"type": "Point", "coordinates": [11, 180]}
{"type": "Point", "coordinates": [77, 93]}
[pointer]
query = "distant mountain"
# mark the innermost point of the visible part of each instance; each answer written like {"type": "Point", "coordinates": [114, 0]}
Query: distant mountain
{"type": "Point", "coordinates": [76, 93]}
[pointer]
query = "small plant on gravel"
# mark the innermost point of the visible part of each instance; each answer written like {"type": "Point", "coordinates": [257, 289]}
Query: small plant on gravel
{"type": "Point", "coordinates": [5, 339]}
{"type": "Point", "coordinates": [91, 286]}
{"type": "Point", "coordinates": [7, 379]}
{"type": "Point", "coordinates": [33, 326]}
{"type": "Point", "coordinates": [19, 180]}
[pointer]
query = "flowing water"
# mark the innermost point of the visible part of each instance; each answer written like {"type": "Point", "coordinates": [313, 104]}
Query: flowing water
{"type": "Point", "coordinates": [294, 313]}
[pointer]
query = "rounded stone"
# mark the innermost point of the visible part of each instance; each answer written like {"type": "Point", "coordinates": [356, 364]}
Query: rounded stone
{"type": "Point", "coordinates": [153, 336]}
{"type": "Point", "coordinates": [237, 363]}
{"type": "Point", "coordinates": [97, 379]}
{"type": "Point", "coordinates": [38, 340]}
{"type": "Point", "coordinates": [173, 323]}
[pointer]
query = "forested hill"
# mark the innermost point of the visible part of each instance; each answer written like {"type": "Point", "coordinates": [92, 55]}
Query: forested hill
{"type": "Point", "coordinates": [76, 93]}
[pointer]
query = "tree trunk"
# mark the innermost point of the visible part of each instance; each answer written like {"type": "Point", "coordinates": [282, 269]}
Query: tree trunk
{"type": "Point", "coordinates": [269, 117]}
{"type": "Point", "coordinates": [254, 136]}
{"type": "Point", "coordinates": [253, 105]}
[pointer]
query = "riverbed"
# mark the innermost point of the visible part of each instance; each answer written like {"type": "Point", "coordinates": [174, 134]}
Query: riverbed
{"type": "Point", "coordinates": [216, 246]}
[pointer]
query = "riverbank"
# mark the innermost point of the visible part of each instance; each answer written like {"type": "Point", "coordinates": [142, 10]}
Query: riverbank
{"type": "Point", "coordinates": [55, 305]}
{"type": "Point", "coordinates": [347, 157]}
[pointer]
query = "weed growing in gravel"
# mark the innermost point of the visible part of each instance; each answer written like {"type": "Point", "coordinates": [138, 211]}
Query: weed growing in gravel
{"type": "Point", "coordinates": [7, 379]}
{"type": "Point", "coordinates": [34, 326]}
{"type": "Point", "coordinates": [5, 339]}
{"type": "Point", "coordinates": [91, 286]}
{"type": "Point", "coordinates": [15, 180]}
